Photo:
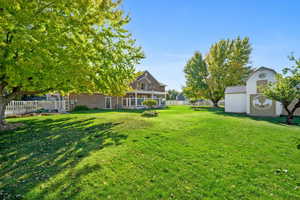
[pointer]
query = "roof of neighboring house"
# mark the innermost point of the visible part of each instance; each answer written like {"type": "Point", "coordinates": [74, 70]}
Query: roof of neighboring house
{"type": "Point", "coordinates": [259, 69]}
{"type": "Point", "coordinates": [235, 89]}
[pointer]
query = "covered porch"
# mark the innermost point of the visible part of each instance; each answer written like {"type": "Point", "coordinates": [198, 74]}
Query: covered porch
{"type": "Point", "coordinates": [135, 99]}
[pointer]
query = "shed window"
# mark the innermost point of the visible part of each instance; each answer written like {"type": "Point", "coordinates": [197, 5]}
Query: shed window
{"type": "Point", "coordinates": [260, 84]}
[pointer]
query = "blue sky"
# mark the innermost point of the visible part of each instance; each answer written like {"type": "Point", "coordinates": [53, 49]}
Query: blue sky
{"type": "Point", "coordinates": [170, 31]}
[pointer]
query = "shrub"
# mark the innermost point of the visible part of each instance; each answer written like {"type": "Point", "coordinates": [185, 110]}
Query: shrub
{"type": "Point", "coordinates": [42, 110]}
{"type": "Point", "coordinates": [81, 108]}
{"type": "Point", "coordinates": [150, 114]}
{"type": "Point", "coordinates": [150, 103]}
{"type": "Point", "coordinates": [192, 101]}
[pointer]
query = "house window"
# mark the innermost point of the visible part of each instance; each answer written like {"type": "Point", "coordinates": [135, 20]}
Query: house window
{"type": "Point", "coordinates": [143, 86]}
{"type": "Point", "coordinates": [262, 75]}
{"type": "Point", "coordinates": [108, 103]}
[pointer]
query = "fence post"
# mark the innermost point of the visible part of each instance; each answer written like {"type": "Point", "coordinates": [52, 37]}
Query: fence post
{"type": "Point", "coordinates": [63, 105]}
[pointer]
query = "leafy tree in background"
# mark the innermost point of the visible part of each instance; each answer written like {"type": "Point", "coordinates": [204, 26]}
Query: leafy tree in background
{"type": "Point", "coordinates": [225, 65]}
{"type": "Point", "coordinates": [172, 94]}
{"type": "Point", "coordinates": [286, 89]}
{"type": "Point", "coordinates": [64, 46]}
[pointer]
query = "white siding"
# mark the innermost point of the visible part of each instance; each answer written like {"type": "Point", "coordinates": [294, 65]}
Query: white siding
{"type": "Point", "coordinates": [235, 103]}
{"type": "Point", "coordinates": [251, 87]}
{"type": "Point", "coordinates": [278, 108]}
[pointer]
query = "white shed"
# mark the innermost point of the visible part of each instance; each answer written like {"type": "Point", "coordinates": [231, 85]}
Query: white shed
{"type": "Point", "coordinates": [235, 99]}
{"type": "Point", "coordinates": [249, 99]}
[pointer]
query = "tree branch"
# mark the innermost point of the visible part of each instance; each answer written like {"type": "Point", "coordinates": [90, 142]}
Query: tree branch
{"type": "Point", "coordinates": [35, 92]}
{"type": "Point", "coordinates": [297, 105]}
{"type": "Point", "coordinates": [17, 91]}
{"type": "Point", "coordinates": [7, 37]}
{"type": "Point", "coordinates": [2, 86]}
{"type": "Point", "coordinates": [287, 109]}
{"type": "Point", "coordinates": [44, 7]}
{"type": "Point", "coordinates": [13, 94]}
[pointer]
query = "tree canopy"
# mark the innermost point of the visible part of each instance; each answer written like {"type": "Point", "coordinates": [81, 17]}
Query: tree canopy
{"type": "Point", "coordinates": [224, 65]}
{"type": "Point", "coordinates": [65, 46]}
{"type": "Point", "coordinates": [286, 89]}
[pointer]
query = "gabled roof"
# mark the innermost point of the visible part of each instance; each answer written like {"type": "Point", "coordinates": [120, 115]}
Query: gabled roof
{"type": "Point", "coordinates": [242, 88]}
{"type": "Point", "coordinates": [162, 84]}
{"type": "Point", "coordinates": [146, 72]}
{"type": "Point", "coordinates": [235, 89]}
{"type": "Point", "coordinates": [260, 69]}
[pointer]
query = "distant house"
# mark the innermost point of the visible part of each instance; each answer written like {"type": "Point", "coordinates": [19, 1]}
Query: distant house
{"type": "Point", "coordinates": [144, 87]}
{"type": "Point", "coordinates": [180, 97]}
{"type": "Point", "coordinates": [249, 98]}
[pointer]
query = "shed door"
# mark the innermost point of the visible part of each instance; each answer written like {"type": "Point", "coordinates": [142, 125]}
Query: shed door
{"type": "Point", "coordinates": [262, 106]}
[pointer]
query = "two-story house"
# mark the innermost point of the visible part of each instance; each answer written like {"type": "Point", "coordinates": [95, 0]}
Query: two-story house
{"type": "Point", "coordinates": [144, 87]}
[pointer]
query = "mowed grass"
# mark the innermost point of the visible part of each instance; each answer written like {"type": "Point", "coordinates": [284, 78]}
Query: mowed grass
{"type": "Point", "coordinates": [182, 154]}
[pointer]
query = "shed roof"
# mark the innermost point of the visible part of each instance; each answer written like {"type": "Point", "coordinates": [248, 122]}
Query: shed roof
{"type": "Point", "coordinates": [235, 89]}
{"type": "Point", "coordinates": [260, 69]}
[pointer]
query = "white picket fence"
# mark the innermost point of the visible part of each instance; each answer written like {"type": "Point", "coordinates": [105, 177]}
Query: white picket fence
{"type": "Point", "coordinates": [23, 107]}
{"type": "Point", "coordinates": [176, 102]}
{"type": "Point", "coordinates": [198, 103]}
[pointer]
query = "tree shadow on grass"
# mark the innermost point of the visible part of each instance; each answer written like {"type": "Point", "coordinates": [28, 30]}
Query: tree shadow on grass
{"type": "Point", "coordinates": [43, 148]}
{"type": "Point", "coordinates": [117, 110]}
{"type": "Point", "coordinates": [276, 120]}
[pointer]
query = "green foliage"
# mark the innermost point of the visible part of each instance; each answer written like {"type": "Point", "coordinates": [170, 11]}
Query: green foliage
{"type": "Point", "coordinates": [172, 94]}
{"type": "Point", "coordinates": [80, 108]}
{"type": "Point", "coordinates": [42, 110]}
{"type": "Point", "coordinates": [286, 89]}
{"type": "Point", "coordinates": [283, 90]}
{"type": "Point", "coordinates": [150, 103]}
{"type": "Point", "coordinates": [65, 46]}
{"type": "Point", "coordinates": [225, 65]}
{"type": "Point", "coordinates": [148, 113]}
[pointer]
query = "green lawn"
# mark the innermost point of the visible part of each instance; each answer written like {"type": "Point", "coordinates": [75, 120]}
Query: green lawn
{"type": "Point", "coordinates": [182, 154]}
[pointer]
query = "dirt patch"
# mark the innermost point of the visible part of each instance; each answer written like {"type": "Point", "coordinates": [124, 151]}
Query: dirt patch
{"type": "Point", "coordinates": [10, 126]}
{"type": "Point", "coordinates": [31, 115]}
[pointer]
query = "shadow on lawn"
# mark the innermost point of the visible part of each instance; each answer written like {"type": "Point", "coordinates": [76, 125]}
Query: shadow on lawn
{"type": "Point", "coordinates": [116, 110]}
{"type": "Point", "coordinates": [276, 120]}
{"type": "Point", "coordinates": [44, 147]}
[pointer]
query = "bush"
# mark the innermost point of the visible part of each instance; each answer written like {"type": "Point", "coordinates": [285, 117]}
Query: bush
{"type": "Point", "coordinates": [81, 108]}
{"type": "Point", "coordinates": [193, 101]}
{"type": "Point", "coordinates": [42, 110]}
{"type": "Point", "coordinates": [150, 103]}
{"type": "Point", "coordinates": [150, 114]}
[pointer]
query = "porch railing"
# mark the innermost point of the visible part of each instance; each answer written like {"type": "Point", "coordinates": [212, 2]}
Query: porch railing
{"type": "Point", "coordinates": [138, 102]}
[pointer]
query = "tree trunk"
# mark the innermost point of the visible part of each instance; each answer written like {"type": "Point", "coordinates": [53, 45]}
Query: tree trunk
{"type": "Point", "coordinates": [215, 104]}
{"type": "Point", "coordinates": [290, 113]}
{"type": "Point", "coordinates": [289, 118]}
{"type": "Point", "coordinates": [5, 99]}
{"type": "Point", "coordinates": [3, 104]}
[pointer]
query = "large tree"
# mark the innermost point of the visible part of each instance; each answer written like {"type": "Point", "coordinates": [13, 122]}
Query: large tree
{"type": "Point", "coordinates": [286, 89]}
{"type": "Point", "coordinates": [225, 65]}
{"type": "Point", "coordinates": [64, 46]}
